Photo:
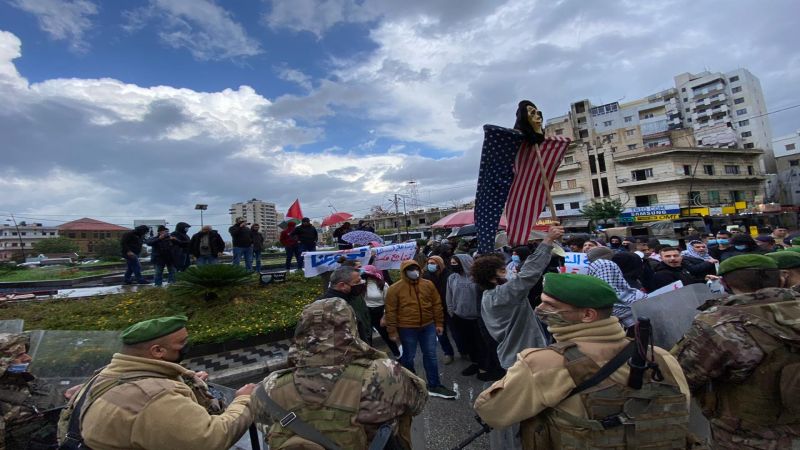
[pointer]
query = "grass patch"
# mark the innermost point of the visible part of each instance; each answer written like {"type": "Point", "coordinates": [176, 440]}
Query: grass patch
{"type": "Point", "coordinates": [246, 311]}
{"type": "Point", "coordinates": [47, 273]}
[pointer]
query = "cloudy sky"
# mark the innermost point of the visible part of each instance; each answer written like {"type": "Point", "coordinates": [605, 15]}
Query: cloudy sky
{"type": "Point", "coordinates": [141, 109]}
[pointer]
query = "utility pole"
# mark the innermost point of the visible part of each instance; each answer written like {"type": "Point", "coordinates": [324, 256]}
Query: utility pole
{"type": "Point", "coordinates": [405, 214]}
{"type": "Point", "coordinates": [397, 215]}
{"type": "Point", "coordinates": [19, 236]}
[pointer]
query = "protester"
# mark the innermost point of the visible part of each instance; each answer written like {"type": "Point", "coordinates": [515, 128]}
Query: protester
{"type": "Point", "coordinates": [575, 244]}
{"type": "Point", "coordinates": [161, 255]}
{"type": "Point", "coordinates": [437, 273]}
{"type": "Point", "coordinates": [741, 361]}
{"type": "Point", "coordinates": [518, 256]}
{"type": "Point", "coordinates": [539, 388]}
{"type": "Point", "coordinates": [341, 231]}
{"type": "Point", "coordinates": [632, 268]}
{"type": "Point", "coordinates": [291, 245]}
{"type": "Point", "coordinates": [674, 268]}
{"type": "Point", "coordinates": [363, 225]}
{"type": "Point", "coordinates": [609, 272]}
{"type": "Point", "coordinates": [464, 312]}
{"type": "Point", "coordinates": [181, 256]}
{"type": "Point", "coordinates": [505, 308]}
{"type": "Point", "coordinates": [242, 243]}
{"type": "Point", "coordinates": [206, 245]}
{"type": "Point", "coordinates": [132, 242]}
{"type": "Point", "coordinates": [145, 399]}
{"type": "Point", "coordinates": [741, 244]}
{"type": "Point", "coordinates": [588, 245]}
{"type": "Point", "coordinates": [779, 234]}
{"type": "Point", "coordinates": [414, 317]}
{"type": "Point", "coordinates": [306, 235]}
{"type": "Point", "coordinates": [346, 283]}
{"type": "Point", "coordinates": [615, 243]}
{"type": "Point", "coordinates": [789, 263]}
{"type": "Point", "coordinates": [26, 403]}
{"type": "Point", "coordinates": [599, 253]}
{"type": "Point", "coordinates": [765, 244]}
{"type": "Point", "coordinates": [722, 244]}
{"type": "Point", "coordinates": [338, 386]}
{"type": "Point", "coordinates": [375, 298]}
{"type": "Point", "coordinates": [698, 250]}
{"type": "Point", "coordinates": [258, 245]}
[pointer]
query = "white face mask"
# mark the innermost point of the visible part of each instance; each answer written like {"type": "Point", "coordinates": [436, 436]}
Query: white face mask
{"type": "Point", "coordinates": [413, 274]}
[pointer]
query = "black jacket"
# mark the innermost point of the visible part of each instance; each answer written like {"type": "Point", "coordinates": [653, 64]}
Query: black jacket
{"type": "Point", "coordinates": [690, 272]}
{"type": "Point", "coordinates": [162, 250]}
{"type": "Point", "coordinates": [306, 234]}
{"type": "Point", "coordinates": [180, 245]}
{"type": "Point", "coordinates": [215, 241]}
{"type": "Point", "coordinates": [242, 236]}
{"type": "Point", "coordinates": [132, 241]}
{"type": "Point", "coordinates": [258, 240]}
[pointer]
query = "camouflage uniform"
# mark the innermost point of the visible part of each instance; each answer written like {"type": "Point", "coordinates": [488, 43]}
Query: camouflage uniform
{"type": "Point", "coordinates": [25, 422]}
{"type": "Point", "coordinates": [741, 358]}
{"type": "Point", "coordinates": [326, 350]}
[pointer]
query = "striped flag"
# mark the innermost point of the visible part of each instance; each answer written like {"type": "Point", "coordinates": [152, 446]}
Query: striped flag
{"type": "Point", "coordinates": [527, 197]}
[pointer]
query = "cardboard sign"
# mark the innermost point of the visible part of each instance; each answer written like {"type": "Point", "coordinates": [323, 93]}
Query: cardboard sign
{"type": "Point", "coordinates": [391, 256]}
{"type": "Point", "coordinates": [575, 263]}
{"type": "Point", "coordinates": [315, 263]}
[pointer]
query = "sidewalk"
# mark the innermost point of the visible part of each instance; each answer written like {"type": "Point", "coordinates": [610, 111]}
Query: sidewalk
{"type": "Point", "coordinates": [244, 363]}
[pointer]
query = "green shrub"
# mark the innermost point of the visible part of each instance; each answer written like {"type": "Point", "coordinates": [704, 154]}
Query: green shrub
{"type": "Point", "coordinates": [212, 281]}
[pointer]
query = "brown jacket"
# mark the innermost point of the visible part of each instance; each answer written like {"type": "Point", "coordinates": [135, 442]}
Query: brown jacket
{"type": "Point", "coordinates": [412, 303]}
{"type": "Point", "coordinates": [158, 413]}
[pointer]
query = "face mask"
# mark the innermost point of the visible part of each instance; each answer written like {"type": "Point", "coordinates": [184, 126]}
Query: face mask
{"type": "Point", "coordinates": [552, 318]}
{"type": "Point", "coordinates": [741, 248]}
{"type": "Point", "coordinates": [18, 368]}
{"type": "Point", "coordinates": [361, 271]}
{"type": "Point", "coordinates": [722, 241]}
{"type": "Point", "coordinates": [358, 289]}
{"type": "Point", "coordinates": [181, 355]}
{"type": "Point", "coordinates": [515, 259]}
{"type": "Point", "coordinates": [455, 268]}
{"type": "Point", "coordinates": [432, 268]}
{"type": "Point", "coordinates": [614, 245]}
{"type": "Point", "coordinates": [412, 274]}
{"type": "Point", "coordinates": [712, 241]}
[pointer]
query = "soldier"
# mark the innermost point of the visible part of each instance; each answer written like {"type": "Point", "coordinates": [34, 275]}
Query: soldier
{"type": "Point", "coordinates": [26, 404]}
{"type": "Point", "coordinates": [541, 389]}
{"type": "Point", "coordinates": [345, 390]}
{"type": "Point", "coordinates": [141, 399]}
{"type": "Point", "coordinates": [789, 262]}
{"type": "Point", "coordinates": [741, 357]}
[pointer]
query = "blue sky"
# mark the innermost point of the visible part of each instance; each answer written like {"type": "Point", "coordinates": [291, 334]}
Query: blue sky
{"type": "Point", "coordinates": [142, 108]}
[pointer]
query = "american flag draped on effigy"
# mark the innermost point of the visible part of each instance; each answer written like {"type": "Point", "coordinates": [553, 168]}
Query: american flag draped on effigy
{"type": "Point", "coordinates": [510, 177]}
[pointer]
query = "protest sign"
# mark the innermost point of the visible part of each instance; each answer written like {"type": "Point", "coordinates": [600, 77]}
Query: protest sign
{"type": "Point", "coordinates": [668, 288]}
{"type": "Point", "coordinates": [390, 256]}
{"type": "Point", "coordinates": [315, 263]}
{"type": "Point", "coordinates": [575, 263]}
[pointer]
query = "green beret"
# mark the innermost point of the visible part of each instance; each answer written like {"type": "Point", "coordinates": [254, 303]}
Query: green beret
{"type": "Point", "coordinates": [746, 262]}
{"type": "Point", "coordinates": [147, 330]}
{"type": "Point", "coordinates": [785, 260]}
{"type": "Point", "coordinates": [792, 249]}
{"type": "Point", "coordinates": [583, 291]}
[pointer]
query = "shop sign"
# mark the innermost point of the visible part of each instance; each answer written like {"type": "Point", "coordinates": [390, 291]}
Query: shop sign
{"type": "Point", "coordinates": [651, 213]}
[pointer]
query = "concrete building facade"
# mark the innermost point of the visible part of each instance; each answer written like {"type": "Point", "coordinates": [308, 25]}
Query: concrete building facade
{"type": "Point", "coordinates": [86, 232]}
{"type": "Point", "coordinates": [21, 238]}
{"type": "Point", "coordinates": [787, 159]}
{"type": "Point", "coordinates": [260, 212]}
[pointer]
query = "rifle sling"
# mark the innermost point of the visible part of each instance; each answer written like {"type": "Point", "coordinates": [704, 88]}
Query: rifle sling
{"type": "Point", "coordinates": [607, 369]}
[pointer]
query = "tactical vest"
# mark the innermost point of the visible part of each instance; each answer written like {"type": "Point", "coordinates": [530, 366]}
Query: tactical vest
{"type": "Point", "coordinates": [770, 396]}
{"type": "Point", "coordinates": [335, 417]}
{"type": "Point", "coordinates": [619, 417]}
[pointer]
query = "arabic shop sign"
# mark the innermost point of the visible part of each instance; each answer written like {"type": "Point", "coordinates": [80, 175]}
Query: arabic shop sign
{"type": "Point", "coordinates": [651, 213]}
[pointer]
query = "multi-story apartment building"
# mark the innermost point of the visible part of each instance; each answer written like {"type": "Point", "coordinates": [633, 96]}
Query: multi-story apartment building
{"type": "Point", "coordinates": [787, 159]}
{"type": "Point", "coordinates": [19, 238]}
{"type": "Point", "coordinates": [86, 232]}
{"type": "Point", "coordinates": [260, 212]}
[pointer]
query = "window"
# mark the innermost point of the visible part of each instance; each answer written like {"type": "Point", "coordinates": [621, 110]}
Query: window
{"type": "Point", "coordinates": [733, 79]}
{"type": "Point", "coordinates": [592, 165]}
{"type": "Point", "coordinates": [737, 196]}
{"type": "Point", "coordinates": [422, 221]}
{"type": "Point", "coordinates": [683, 89]}
{"type": "Point", "coordinates": [750, 170]}
{"type": "Point", "coordinates": [731, 170]}
{"type": "Point", "coordinates": [747, 134]}
{"type": "Point", "coordinates": [572, 184]}
{"type": "Point", "coordinates": [83, 235]}
{"type": "Point", "coordinates": [574, 205]}
{"type": "Point", "coordinates": [687, 110]}
{"type": "Point", "coordinates": [580, 108]}
{"type": "Point", "coordinates": [750, 145]}
{"type": "Point", "coordinates": [606, 123]}
{"type": "Point", "coordinates": [23, 233]}
{"type": "Point", "coordinates": [789, 146]}
{"type": "Point", "coordinates": [556, 186]}
{"type": "Point", "coordinates": [741, 112]}
{"type": "Point", "coordinates": [631, 146]}
{"type": "Point", "coordinates": [744, 123]}
{"type": "Point", "coordinates": [738, 101]}
{"type": "Point", "coordinates": [559, 132]}
{"type": "Point", "coordinates": [708, 169]}
{"type": "Point", "coordinates": [646, 200]}
{"type": "Point", "coordinates": [583, 134]}
{"type": "Point", "coordinates": [694, 197]}
{"type": "Point", "coordinates": [642, 174]}
{"type": "Point", "coordinates": [794, 162]}
{"type": "Point", "coordinates": [559, 206]}
{"type": "Point", "coordinates": [713, 197]}
{"type": "Point", "coordinates": [604, 183]}
{"type": "Point", "coordinates": [685, 99]}
{"type": "Point", "coordinates": [71, 235]}
{"type": "Point", "coordinates": [569, 159]}
{"type": "Point", "coordinates": [601, 162]}
{"type": "Point", "coordinates": [687, 169]}
{"type": "Point", "coordinates": [596, 187]}
{"type": "Point", "coordinates": [647, 116]}
{"type": "Point", "coordinates": [736, 90]}
{"type": "Point", "coordinates": [630, 132]}
{"type": "Point", "coordinates": [628, 119]}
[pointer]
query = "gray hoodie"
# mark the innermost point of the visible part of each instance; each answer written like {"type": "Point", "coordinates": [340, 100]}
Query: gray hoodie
{"type": "Point", "coordinates": [507, 312]}
{"type": "Point", "coordinates": [462, 292]}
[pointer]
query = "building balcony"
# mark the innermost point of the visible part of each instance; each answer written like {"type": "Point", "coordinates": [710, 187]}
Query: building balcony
{"type": "Point", "coordinates": [569, 167]}
{"type": "Point", "coordinates": [673, 178]}
{"type": "Point", "coordinates": [570, 191]}
{"type": "Point", "coordinates": [661, 152]}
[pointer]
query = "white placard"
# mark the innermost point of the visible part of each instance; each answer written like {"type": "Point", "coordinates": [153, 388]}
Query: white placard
{"type": "Point", "coordinates": [575, 263]}
{"type": "Point", "coordinates": [315, 263]}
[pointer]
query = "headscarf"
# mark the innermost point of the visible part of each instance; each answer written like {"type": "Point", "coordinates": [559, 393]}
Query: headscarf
{"type": "Point", "coordinates": [11, 346]}
{"type": "Point", "coordinates": [691, 252]}
{"type": "Point", "coordinates": [325, 342]}
{"type": "Point", "coordinates": [599, 253]}
{"type": "Point", "coordinates": [373, 272]}
{"type": "Point", "coordinates": [609, 272]}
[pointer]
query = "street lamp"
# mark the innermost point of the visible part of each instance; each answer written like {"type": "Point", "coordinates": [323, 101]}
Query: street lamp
{"type": "Point", "coordinates": [202, 208]}
{"type": "Point", "coordinates": [19, 235]}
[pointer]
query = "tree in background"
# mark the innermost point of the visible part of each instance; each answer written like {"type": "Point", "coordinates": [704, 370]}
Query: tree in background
{"type": "Point", "coordinates": [108, 249]}
{"type": "Point", "coordinates": [602, 210]}
{"type": "Point", "coordinates": [58, 244]}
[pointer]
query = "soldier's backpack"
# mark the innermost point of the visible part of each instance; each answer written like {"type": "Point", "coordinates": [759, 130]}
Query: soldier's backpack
{"type": "Point", "coordinates": [619, 417]}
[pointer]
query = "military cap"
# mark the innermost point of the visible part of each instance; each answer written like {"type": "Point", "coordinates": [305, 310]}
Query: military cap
{"type": "Point", "coordinates": [746, 262]}
{"type": "Point", "coordinates": [147, 330]}
{"type": "Point", "coordinates": [583, 291]}
{"type": "Point", "coordinates": [786, 260]}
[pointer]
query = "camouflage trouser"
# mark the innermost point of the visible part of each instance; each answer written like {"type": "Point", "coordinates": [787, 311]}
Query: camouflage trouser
{"type": "Point", "coordinates": [36, 434]}
{"type": "Point", "coordinates": [726, 439]}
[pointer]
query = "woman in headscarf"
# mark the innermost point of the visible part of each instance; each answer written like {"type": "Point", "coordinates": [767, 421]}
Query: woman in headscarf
{"type": "Point", "coordinates": [375, 298]}
{"type": "Point", "coordinates": [609, 272]}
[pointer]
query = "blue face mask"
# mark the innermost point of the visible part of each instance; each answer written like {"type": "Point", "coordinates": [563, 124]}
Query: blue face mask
{"type": "Point", "coordinates": [722, 241]}
{"type": "Point", "coordinates": [18, 368]}
{"type": "Point", "coordinates": [433, 267]}
{"type": "Point", "coordinates": [515, 258]}
{"type": "Point", "coordinates": [740, 247]}
{"type": "Point", "coordinates": [712, 241]}
{"type": "Point", "coordinates": [361, 271]}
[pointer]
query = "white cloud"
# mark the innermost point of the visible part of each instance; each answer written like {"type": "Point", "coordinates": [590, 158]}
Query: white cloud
{"type": "Point", "coordinates": [317, 16]}
{"type": "Point", "coordinates": [64, 20]}
{"type": "Point", "coordinates": [295, 76]}
{"type": "Point", "coordinates": [206, 30]}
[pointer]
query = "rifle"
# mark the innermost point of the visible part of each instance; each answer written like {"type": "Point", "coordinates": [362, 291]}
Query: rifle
{"type": "Point", "coordinates": [484, 429]}
{"type": "Point", "coordinates": [638, 362]}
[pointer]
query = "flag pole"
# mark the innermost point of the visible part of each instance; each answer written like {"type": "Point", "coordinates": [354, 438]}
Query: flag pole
{"type": "Point", "coordinates": [545, 180]}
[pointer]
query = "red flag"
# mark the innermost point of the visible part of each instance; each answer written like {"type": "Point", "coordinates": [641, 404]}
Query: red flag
{"type": "Point", "coordinates": [294, 211]}
{"type": "Point", "coordinates": [527, 196]}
